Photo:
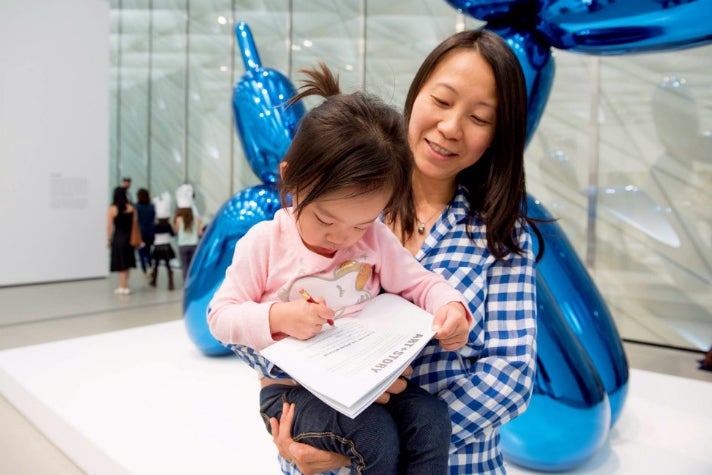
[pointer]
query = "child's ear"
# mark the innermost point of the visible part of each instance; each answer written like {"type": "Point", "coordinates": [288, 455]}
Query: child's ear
{"type": "Point", "coordinates": [282, 167]}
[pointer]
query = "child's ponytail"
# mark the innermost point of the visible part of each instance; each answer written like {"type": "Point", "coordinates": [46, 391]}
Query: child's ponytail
{"type": "Point", "coordinates": [322, 83]}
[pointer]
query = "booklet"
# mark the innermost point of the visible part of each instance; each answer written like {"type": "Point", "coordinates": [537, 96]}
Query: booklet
{"type": "Point", "coordinates": [350, 364]}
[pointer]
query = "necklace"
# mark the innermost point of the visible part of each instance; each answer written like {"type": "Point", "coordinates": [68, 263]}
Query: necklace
{"type": "Point", "coordinates": [421, 224]}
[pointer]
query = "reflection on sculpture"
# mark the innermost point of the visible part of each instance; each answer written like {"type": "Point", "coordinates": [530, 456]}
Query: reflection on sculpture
{"type": "Point", "coordinates": [569, 414]}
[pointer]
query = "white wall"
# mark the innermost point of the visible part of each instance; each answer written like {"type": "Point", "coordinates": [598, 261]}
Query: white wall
{"type": "Point", "coordinates": [54, 142]}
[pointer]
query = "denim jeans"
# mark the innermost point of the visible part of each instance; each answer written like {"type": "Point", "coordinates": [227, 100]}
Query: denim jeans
{"type": "Point", "coordinates": [186, 256]}
{"type": "Point", "coordinates": [144, 255]}
{"type": "Point", "coordinates": [408, 435]}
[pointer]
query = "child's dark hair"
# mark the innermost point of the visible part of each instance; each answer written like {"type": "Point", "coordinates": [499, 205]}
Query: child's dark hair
{"type": "Point", "coordinates": [350, 141]}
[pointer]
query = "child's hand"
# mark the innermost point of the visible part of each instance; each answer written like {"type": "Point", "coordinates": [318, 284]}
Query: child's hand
{"type": "Point", "coordinates": [452, 325]}
{"type": "Point", "coordinates": [299, 318]}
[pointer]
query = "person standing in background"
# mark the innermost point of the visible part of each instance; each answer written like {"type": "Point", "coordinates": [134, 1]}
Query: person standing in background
{"type": "Point", "coordinates": [188, 226]}
{"type": "Point", "coordinates": [146, 221]}
{"type": "Point", "coordinates": [163, 233]}
{"type": "Point", "coordinates": [119, 220]}
{"type": "Point", "coordinates": [126, 184]}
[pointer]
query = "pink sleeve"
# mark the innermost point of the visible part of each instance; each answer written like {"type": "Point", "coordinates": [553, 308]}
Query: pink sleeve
{"type": "Point", "coordinates": [402, 274]}
{"type": "Point", "coordinates": [234, 313]}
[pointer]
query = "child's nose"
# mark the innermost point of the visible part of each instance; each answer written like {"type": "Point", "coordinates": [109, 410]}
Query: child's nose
{"type": "Point", "coordinates": [337, 237]}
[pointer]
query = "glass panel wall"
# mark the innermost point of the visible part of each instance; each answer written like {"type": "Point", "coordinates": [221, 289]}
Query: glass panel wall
{"type": "Point", "coordinates": [132, 100]}
{"type": "Point", "coordinates": [168, 106]}
{"type": "Point", "coordinates": [645, 156]}
{"type": "Point", "coordinates": [650, 253]}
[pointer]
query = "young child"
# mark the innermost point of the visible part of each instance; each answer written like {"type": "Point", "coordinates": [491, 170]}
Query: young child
{"type": "Point", "coordinates": [163, 233]}
{"type": "Point", "coordinates": [348, 164]}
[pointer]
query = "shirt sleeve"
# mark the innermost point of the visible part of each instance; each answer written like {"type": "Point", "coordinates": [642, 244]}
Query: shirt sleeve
{"type": "Point", "coordinates": [234, 314]}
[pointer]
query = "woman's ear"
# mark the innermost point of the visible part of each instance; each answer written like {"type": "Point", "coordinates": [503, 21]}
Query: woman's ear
{"type": "Point", "coordinates": [282, 167]}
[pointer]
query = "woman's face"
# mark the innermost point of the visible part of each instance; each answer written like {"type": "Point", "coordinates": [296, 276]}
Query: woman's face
{"type": "Point", "coordinates": [454, 115]}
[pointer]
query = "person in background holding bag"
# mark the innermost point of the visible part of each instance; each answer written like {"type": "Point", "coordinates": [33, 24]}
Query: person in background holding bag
{"type": "Point", "coordinates": [188, 227]}
{"type": "Point", "coordinates": [119, 221]}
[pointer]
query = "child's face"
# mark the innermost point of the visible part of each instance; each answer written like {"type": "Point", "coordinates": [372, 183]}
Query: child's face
{"type": "Point", "coordinates": [338, 221]}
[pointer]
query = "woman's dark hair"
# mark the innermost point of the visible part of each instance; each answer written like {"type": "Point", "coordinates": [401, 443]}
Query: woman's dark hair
{"type": "Point", "coordinates": [143, 196]}
{"type": "Point", "coordinates": [120, 199]}
{"type": "Point", "coordinates": [352, 142]}
{"type": "Point", "coordinates": [186, 214]}
{"type": "Point", "coordinates": [496, 182]}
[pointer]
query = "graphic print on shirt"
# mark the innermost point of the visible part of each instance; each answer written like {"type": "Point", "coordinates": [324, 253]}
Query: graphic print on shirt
{"type": "Point", "coordinates": [344, 289]}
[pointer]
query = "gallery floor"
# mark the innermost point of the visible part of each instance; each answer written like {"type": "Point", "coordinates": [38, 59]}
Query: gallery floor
{"type": "Point", "coordinates": [96, 383]}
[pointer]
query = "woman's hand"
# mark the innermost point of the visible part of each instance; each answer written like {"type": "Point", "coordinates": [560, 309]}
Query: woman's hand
{"type": "Point", "coordinates": [452, 325]}
{"type": "Point", "coordinates": [397, 387]}
{"type": "Point", "coordinates": [309, 460]}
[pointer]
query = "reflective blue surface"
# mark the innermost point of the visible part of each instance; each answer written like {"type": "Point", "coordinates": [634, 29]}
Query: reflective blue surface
{"type": "Point", "coordinates": [580, 303]}
{"type": "Point", "coordinates": [569, 415]}
{"type": "Point", "coordinates": [601, 27]}
{"type": "Point", "coordinates": [264, 124]}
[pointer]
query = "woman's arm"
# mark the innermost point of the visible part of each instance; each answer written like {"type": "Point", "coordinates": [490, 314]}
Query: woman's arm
{"type": "Point", "coordinates": [309, 460]}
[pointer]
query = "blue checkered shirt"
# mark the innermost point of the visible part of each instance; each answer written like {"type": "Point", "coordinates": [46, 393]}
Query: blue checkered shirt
{"type": "Point", "coordinates": [490, 380]}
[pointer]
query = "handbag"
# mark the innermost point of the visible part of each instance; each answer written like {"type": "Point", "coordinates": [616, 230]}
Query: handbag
{"type": "Point", "coordinates": [136, 239]}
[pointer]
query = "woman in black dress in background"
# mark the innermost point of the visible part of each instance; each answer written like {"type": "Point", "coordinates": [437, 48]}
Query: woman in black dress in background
{"type": "Point", "coordinates": [118, 230]}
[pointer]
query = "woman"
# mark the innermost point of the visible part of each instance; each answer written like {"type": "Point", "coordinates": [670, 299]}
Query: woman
{"type": "Point", "coordinates": [119, 220]}
{"type": "Point", "coordinates": [466, 113]}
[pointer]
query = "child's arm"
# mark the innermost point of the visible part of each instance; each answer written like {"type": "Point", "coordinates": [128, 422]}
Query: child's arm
{"type": "Point", "coordinates": [401, 273]}
{"type": "Point", "coordinates": [238, 312]}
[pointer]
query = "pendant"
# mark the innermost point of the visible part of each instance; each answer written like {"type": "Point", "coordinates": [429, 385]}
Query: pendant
{"type": "Point", "coordinates": [421, 228]}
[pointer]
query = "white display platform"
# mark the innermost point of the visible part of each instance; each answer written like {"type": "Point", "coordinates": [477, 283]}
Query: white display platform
{"type": "Point", "coordinates": [146, 401]}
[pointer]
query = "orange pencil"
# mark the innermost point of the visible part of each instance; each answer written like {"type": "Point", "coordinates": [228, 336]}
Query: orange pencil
{"type": "Point", "coordinates": [309, 299]}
